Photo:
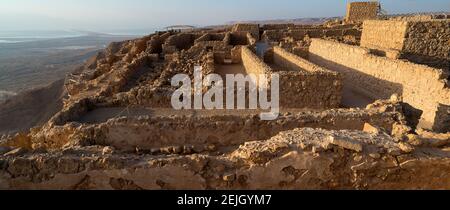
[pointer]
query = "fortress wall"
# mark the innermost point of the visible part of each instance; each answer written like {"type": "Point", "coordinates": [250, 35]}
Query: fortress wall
{"type": "Point", "coordinates": [304, 84]}
{"type": "Point", "coordinates": [384, 34]}
{"type": "Point", "coordinates": [425, 42]}
{"type": "Point", "coordinates": [359, 11]}
{"type": "Point", "coordinates": [377, 77]}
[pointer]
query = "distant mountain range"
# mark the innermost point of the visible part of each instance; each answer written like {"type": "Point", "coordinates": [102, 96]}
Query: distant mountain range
{"type": "Point", "coordinates": [310, 21]}
{"type": "Point", "coordinates": [303, 21]}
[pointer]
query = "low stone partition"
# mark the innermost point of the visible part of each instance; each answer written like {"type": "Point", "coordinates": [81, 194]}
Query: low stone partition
{"type": "Point", "coordinates": [239, 38]}
{"type": "Point", "coordinates": [211, 37]}
{"type": "Point", "coordinates": [215, 42]}
{"type": "Point", "coordinates": [304, 84]}
{"type": "Point", "coordinates": [253, 64]}
{"type": "Point", "coordinates": [422, 87]}
{"type": "Point", "coordinates": [182, 41]}
{"type": "Point", "coordinates": [149, 132]}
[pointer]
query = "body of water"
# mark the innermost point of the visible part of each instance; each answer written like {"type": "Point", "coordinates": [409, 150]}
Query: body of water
{"type": "Point", "coordinates": [29, 36]}
{"type": "Point", "coordinates": [30, 59]}
{"type": "Point", "coordinates": [11, 37]}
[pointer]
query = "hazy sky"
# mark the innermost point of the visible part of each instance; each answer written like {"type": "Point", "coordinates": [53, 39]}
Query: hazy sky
{"type": "Point", "coordinates": [103, 15]}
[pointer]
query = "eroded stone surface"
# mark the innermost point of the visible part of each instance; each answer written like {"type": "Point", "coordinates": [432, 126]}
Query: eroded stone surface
{"type": "Point", "coordinates": [286, 161]}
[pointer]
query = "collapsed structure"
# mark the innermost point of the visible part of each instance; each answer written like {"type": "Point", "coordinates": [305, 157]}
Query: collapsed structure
{"type": "Point", "coordinates": [360, 110]}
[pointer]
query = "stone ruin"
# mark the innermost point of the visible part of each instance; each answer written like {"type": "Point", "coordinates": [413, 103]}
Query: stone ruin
{"type": "Point", "coordinates": [361, 11]}
{"type": "Point", "coordinates": [359, 110]}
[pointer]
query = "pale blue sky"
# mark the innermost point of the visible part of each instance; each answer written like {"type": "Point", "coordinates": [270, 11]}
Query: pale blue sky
{"type": "Point", "coordinates": [101, 15]}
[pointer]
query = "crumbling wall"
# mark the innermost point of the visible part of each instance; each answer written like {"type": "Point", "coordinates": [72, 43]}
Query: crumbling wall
{"type": "Point", "coordinates": [420, 17]}
{"type": "Point", "coordinates": [156, 42]}
{"type": "Point", "coordinates": [239, 38]}
{"type": "Point", "coordinates": [147, 132]}
{"type": "Point", "coordinates": [215, 42]}
{"type": "Point", "coordinates": [277, 26]}
{"type": "Point", "coordinates": [422, 87]}
{"type": "Point", "coordinates": [250, 28]}
{"type": "Point", "coordinates": [384, 34]}
{"type": "Point", "coordinates": [273, 35]}
{"type": "Point", "coordinates": [178, 42]}
{"type": "Point", "coordinates": [428, 42]}
{"type": "Point", "coordinates": [360, 11]}
{"type": "Point", "coordinates": [296, 159]}
{"type": "Point", "coordinates": [304, 84]}
{"type": "Point", "coordinates": [424, 42]}
{"type": "Point", "coordinates": [253, 64]}
{"type": "Point", "coordinates": [211, 37]}
{"type": "Point", "coordinates": [301, 33]}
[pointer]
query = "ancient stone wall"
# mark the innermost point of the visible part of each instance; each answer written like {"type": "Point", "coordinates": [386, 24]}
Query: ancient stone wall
{"type": "Point", "coordinates": [156, 42]}
{"type": "Point", "coordinates": [428, 42]}
{"type": "Point", "coordinates": [239, 38]}
{"type": "Point", "coordinates": [384, 34]}
{"type": "Point", "coordinates": [211, 37]}
{"type": "Point", "coordinates": [360, 11]}
{"type": "Point", "coordinates": [251, 28]}
{"type": "Point", "coordinates": [304, 84]}
{"type": "Point", "coordinates": [215, 42]}
{"type": "Point", "coordinates": [421, 17]}
{"type": "Point", "coordinates": [424, 42]}
{"type": "Point", "coordinates": [300, 34]}
{"type": "Point", "coordinates": [148, 132]}
{"type": "Point", "coordinates": [273, 35]}
{"type": "Point", "coordinates": [182, 41]}
{"type": "Point", "coordinates": [422, 87]}
{"type": "Point", "coordinates": [253, 64]}
{"type": "Point", "coordinates": [277, 26]}
{"type": "Point", "coordinates": [296, 159]}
